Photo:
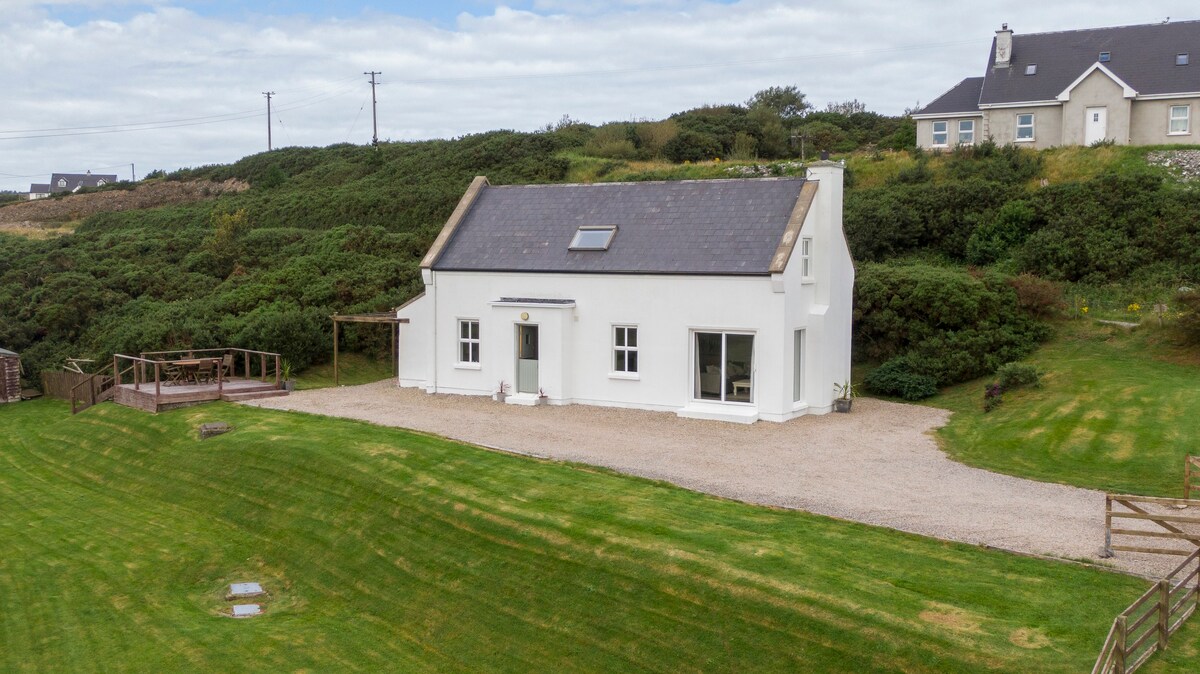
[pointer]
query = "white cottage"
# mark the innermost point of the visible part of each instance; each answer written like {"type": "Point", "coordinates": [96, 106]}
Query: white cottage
{"type": "Point", "coordinates": [715, 299]}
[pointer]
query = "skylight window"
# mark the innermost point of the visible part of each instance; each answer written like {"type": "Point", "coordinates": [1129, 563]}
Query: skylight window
{"type": "Point", "coordinates": [1031, 69]}
{"type": "Point", "coordinates": [1105, 56]}
{"type": "Point", "coordinates": [593, 237]}
{"type": "Point", "coordinates": [1181, 59]}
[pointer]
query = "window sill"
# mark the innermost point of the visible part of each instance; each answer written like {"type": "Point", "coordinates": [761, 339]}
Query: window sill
{"type": "Point", "coordinates": [628, 376]}
{"type": "Point", "coordinates": [808, 280]}
{"type": "Point", "coordinates": [468, 366]}
{"type": "Point", "coordinates": [1025, 140]}
{"type": "Point", "coordinates": [942, 145]}
{"type": "Point", "coordinates": [1179, 133]}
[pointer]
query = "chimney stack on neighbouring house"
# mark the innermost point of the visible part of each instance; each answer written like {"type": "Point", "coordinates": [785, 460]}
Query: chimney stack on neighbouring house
{"type": "Point", "coordinates": [1003, 47]}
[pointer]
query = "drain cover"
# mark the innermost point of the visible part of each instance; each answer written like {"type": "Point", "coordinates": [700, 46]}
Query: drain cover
{"type": "Point", "coordinates": [246, 610]}
{"type": "Point", "coordinates": [245, 589]}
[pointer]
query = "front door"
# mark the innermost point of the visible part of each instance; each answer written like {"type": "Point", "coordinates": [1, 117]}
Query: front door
{"type": "Point", "coordinates": [1095, 125]}
{"type": "Point", "coordinates": [527, 359]}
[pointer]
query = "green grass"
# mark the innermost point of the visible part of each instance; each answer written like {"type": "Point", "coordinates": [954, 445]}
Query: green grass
{"type": "Point", "coordinates": [353, 369]}
{"type": "Point", "coordinates": [1117, 411]}
{"type": "Point", "coordinates": [390, 550]}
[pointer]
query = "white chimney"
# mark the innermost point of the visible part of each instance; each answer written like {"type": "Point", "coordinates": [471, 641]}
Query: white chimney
{"type": "Point", "coordinates": [1003, 47]}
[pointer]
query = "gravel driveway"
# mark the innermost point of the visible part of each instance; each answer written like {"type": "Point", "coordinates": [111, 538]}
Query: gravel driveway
{"type": "Point", "coordinates": [878, 465]}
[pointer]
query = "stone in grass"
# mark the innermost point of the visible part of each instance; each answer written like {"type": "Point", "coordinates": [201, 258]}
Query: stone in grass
{"type": "Point", "coordinates": [245, 590]}
{"type": "Point", "coordinates": [216, 428]}
{"type": "Point", "coordinates": [246, 610]}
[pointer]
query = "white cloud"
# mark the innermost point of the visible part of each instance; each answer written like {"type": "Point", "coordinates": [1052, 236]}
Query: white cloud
{"type": "Point", "coordinates": [507, 68]}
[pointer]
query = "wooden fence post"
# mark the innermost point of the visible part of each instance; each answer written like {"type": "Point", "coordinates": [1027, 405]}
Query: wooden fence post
{"type": "Point", "coordinates": [278, 374]}
{"type": "Point", "coordinates": [1119, 648]}
{"type": "Point", "coordinates": [1164, 612]}
{"type": "Point", "coordinates": [1108, 551]}
{"type": "Point", "coordinates": [1187, 476]}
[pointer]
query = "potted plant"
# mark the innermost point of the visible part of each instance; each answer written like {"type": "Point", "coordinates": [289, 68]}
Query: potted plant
{"type": "Point", "coordinates": [501, 393]}
{"type": "Point", "coordinates": [285, 371]}
{"type": "Point", "coordinates": [542, 398]}
{"type": "Point", "coordinates": [845, 397]}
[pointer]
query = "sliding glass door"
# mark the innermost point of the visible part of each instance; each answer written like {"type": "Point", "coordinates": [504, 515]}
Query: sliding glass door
{"type": "Point", "coordinates": [724, 369]}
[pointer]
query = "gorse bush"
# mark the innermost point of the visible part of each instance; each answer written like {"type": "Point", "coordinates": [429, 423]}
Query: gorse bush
{"type": "Point", "coordinates": [1015, 375]}
{"type": "Point", "coordinates": [949, 325]}
{"type": "Point", "coordinates": [898, 378]}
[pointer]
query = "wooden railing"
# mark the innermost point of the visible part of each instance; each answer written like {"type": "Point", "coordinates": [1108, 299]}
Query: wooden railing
{"type": "Point", "coordinates": [268, 365]}
{"type": "Point", "coordinates": [96, 388]}
{"type": "Point", "coordinates": [1145, 627]}
{"type": "Point", "coordinates": [1166, 522]}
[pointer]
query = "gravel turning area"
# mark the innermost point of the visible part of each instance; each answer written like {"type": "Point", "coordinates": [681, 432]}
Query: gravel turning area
{"type": "Point", "coordinates": [878, 465]}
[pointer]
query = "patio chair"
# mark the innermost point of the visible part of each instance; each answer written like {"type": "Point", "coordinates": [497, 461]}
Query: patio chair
{"type": "Point", "coordinates": [173, 374]}
{"type": "Point", "coordinates": [204, 373]}
{"type": "Point", "coordinates": [227, 365]}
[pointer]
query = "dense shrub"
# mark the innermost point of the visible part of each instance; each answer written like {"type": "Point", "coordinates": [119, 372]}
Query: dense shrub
{"type": "Point", "coordinates": [951, 325]}
{"type": "Point", "coordinates": [1015, 375]}
{"type": "Point", "coordinates": [1037, 296]}
{"type": "Point", "coordinates": [1188, 302]}
{"type": "Point", "coordinates": [898, 377]}
{"type": "Point", "coordinates": [995, 236]}
{"type": "Point", "coordinates": [690, 145]}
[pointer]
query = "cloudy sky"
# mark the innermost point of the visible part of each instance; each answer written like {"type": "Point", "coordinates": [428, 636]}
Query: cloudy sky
{"type": "Point", "coordinates": [162, 84]}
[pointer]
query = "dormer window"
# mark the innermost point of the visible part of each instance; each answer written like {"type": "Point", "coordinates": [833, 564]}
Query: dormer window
{"type": "Point", "coordinates": [593, 237]}
{"type": "Point", "coordinates": [1105, 56]}
{"type": "Point", "coordinates": [1031, 69]}
{"type": "Point", "coordinates": [100, 182]}
{"type": "Point", "coordinates": [1181, 59]}
{"type": "Point", "coordinates": [62, 182]}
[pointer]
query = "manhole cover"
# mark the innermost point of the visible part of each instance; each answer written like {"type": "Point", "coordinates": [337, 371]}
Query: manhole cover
{"type": "Point", "coordinates": [245, 589]}
{"type": "Point", "coordinates": [246, 610]}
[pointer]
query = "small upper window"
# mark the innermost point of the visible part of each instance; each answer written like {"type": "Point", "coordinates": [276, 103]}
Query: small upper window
{"type": "Point", "coordinates": [1105, 56]}
{"type": "Point", "coordinates": [806, 257]}
{"type": "Point", "coordinates": [101, 182]}
{"type": "Point", "coordinates": [1031, 69]}
{"type": "Point", "coordinates": [62, 182]}
{"type": "Point", "coordinates": [1181, 59]}
{"type": "Point", "coordinates": [593, 238]}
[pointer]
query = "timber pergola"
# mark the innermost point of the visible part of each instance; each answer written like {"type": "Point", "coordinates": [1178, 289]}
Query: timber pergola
{"type": "Point", "coordinates": [379, 317]}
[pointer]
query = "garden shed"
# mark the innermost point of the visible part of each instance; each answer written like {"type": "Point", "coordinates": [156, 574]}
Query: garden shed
{"type": "Point", "coordinates": [10, 376]}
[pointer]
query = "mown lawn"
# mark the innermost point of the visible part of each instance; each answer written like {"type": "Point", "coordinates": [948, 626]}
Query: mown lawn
{"type": "Point", "coordinates": [1117, 411]}
{"type": "Point", "coordinates": [393, 551]}
{"type": "Point", "coordinates": [353, 369]}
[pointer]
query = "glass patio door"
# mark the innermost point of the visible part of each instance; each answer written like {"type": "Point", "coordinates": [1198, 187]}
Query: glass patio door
{"type": "Point", "coordinates": [724, 369]}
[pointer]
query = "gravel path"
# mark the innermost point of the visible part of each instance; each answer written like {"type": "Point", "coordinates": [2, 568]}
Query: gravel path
{"type": "Point", "coordinates": [878, 465]}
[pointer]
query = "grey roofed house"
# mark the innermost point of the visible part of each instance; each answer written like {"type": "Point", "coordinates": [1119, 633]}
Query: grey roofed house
{"type": "Point", "coordinates": [722, 227]}
{"type": "Point", "coordinates": [39, 190]}
{"type": "Point", "coordinates": [1125, 84]}
{"type": "Point", "coordinates": [71, 182]}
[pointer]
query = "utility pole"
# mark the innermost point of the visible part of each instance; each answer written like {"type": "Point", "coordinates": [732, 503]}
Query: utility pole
{"type": "Point", "coordinates": [374, 118]}
{"type": "Point", "coordinates": [268, 94]}
{"type": "Point", "coordinates": [132, 173]}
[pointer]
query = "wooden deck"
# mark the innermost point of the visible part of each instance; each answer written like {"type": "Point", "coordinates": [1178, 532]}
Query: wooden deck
{"type": "Point", "coordinates": [143, 396]}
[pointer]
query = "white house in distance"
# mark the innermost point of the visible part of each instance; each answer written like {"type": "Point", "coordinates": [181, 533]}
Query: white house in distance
{"type": "Point", "coordinates": [717, 299]}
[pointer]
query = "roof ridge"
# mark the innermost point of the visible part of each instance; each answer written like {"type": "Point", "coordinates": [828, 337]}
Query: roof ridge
{"type": "Point", "coordinates": [658, 182]}
{"type": "Point", "coordinates": [1085, 30]}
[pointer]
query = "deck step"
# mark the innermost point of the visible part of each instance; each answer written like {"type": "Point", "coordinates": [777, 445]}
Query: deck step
{"type": "Point", "coordinates": [252, 395]}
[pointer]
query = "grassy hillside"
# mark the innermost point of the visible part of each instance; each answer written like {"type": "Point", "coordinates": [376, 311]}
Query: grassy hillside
{"type": "Point", "coordinates": [388, 550]}
{"type": "Point", "coordinates": [1116, 411]}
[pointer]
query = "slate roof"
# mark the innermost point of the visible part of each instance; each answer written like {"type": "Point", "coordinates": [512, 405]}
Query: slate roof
{"type": "Point", "coordinates": [77, 180]}
{"type": "Point", "coordinates": [1143, 56]}
{"type": "Point", "coordinates": [39, 188]}
{"type": "Point", "coordinates": [722, 227]}
{"type": "Point", "coordinates": [963, 97]}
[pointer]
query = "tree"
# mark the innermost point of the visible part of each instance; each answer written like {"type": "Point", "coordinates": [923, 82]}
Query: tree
{"type": "Point", "coordinates": [787, 102]}
{"type": "Point", "coordinates": [846, 107]}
